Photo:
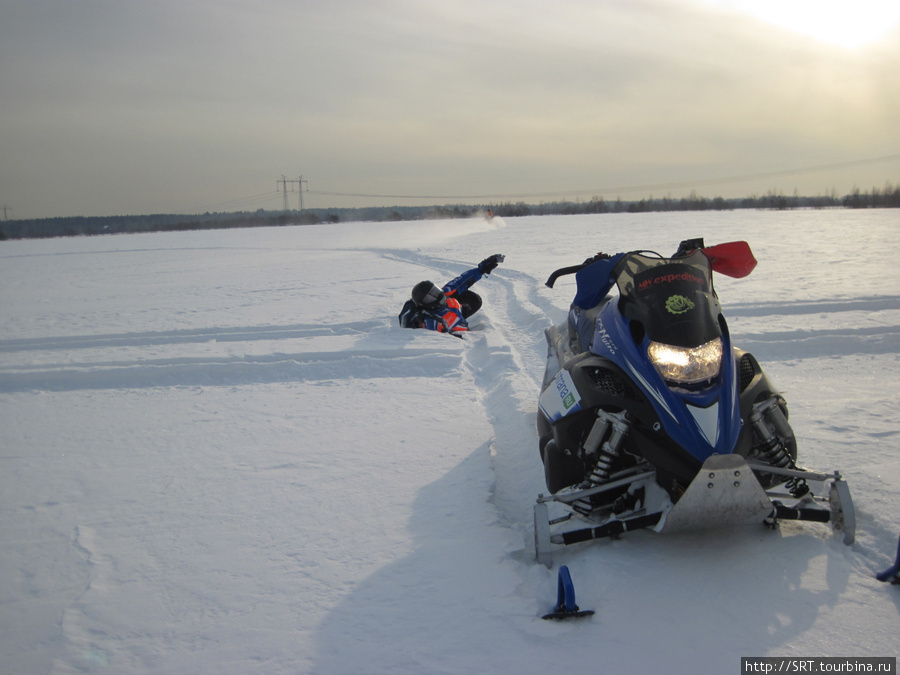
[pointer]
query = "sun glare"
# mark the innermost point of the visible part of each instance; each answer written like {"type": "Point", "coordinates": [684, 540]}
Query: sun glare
{"type": "Point", "coordinates": [847, 24]}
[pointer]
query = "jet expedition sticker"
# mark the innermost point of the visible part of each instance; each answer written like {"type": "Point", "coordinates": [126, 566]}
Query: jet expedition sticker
{"type": "Point", "coordinates": [678, 304]}
{"type": "Point", "coordinates": [688, 277]}
{"type": "Point", "coordinates": [561, 397]}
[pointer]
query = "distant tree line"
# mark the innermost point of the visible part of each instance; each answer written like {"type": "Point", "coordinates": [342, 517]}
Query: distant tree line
{"type": "Point", "coordinates": [886, 197]}
{"type": "Point", "coordinates": [85, 226]}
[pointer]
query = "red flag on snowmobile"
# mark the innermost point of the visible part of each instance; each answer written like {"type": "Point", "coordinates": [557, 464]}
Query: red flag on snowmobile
{"type": "Point", "coordinates": [733, 258]}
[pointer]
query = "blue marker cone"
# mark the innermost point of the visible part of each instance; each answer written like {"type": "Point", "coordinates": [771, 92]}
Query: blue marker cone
{"type": "Point", "coordinates": [565, 598]}
{"type": "Point", "coordinates": [892, 573]}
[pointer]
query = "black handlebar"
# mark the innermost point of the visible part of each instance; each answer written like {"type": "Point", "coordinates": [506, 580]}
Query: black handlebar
{"type": "Point", "coordinates": [687, 246]}
{"type": "Point", "coordinates": [563, 271]}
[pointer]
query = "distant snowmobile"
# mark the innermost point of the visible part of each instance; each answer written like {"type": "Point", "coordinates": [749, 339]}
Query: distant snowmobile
{"type": "Point", "coordinates": [649, 417]}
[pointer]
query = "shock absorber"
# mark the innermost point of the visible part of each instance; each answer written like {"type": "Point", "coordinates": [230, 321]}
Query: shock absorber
{"type": "Point", "coordinates": [608, 451]}
{"type": "Point", "coordinates": [772, 427]}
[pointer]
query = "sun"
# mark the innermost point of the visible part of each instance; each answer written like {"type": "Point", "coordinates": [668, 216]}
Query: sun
{"type": "Point", "coordinates": [838, 22]}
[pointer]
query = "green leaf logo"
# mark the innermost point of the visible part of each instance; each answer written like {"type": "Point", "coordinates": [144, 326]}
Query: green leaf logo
{"type": "Point", "coordinates": [678, 304]}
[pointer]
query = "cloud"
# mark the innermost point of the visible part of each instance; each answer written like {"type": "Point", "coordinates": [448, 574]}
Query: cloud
{"type": "Point", "coordinates": [149, 107]}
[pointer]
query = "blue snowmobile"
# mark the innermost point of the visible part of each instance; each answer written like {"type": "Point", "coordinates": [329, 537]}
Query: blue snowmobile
{"type": "Point", "coordinates": [649, 417]}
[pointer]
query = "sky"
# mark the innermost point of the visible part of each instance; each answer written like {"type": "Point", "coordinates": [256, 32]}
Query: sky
{"type": "Point", "coordinates": [115, 107]}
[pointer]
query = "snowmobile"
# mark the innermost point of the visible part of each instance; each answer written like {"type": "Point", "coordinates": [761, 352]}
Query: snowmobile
{"type": "Point", "coordinates": [649, 417]}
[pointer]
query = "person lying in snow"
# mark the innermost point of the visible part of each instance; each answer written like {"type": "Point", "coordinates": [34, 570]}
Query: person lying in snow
{"type": "Point", "coordinates": [447, 309]}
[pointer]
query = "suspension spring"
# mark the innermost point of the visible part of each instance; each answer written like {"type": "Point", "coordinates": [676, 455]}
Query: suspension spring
{"type": "Point", "coordinates": [608, 452]}
{"type": "Point", "coordinates": [798, 487]}
{"type": "Point", "coordinates": [772, 427]}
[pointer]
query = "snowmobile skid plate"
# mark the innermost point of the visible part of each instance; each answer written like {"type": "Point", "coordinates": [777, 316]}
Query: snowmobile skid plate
{"type": "Point", "coordinates": [725, 493]}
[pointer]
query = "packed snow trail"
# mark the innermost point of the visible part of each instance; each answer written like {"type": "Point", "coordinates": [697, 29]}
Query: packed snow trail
{"type": "Point", "coordinates": [220, 453]}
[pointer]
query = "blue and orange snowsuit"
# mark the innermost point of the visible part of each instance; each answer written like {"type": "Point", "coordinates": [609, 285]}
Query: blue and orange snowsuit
{"type": "Point", "coordinates": [447, 319]}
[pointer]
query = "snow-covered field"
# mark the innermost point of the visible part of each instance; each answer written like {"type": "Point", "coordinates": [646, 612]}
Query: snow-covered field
{"type": "Point", "coordinates": [220, 454]}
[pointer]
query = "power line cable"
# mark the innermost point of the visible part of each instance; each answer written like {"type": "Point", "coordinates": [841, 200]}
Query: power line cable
{"type": "Point", "coordinates": [629, 188]}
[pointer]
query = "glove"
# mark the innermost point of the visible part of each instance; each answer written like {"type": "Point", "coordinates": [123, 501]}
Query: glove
{"type": "Point", "coordinates": [488, 265]}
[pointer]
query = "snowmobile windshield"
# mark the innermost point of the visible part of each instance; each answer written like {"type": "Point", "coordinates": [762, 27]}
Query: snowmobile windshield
{"type": "Point", "coordinates": [672, 298]}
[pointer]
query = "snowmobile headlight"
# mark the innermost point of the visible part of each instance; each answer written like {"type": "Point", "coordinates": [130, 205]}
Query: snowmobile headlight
{"type": "Point", "coordinates": [686, 365]}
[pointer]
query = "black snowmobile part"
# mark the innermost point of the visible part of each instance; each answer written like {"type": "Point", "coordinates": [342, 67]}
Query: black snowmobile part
{"type": "Point", "coordinates": [783, 512]}
{"type": "Point", "coordinates": [610, 530]}
{"type": "Point", "coordinates": [565, 271]}
{"type": "Point", "coordinates": [574, 269]}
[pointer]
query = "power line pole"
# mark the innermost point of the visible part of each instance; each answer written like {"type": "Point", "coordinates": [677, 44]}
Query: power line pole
{"type": "Point", "coordinates": [300, 182]}
{"type": "Point", "coordinates": [6, 212]}
{"type": "Point", "coordinates": [285, 181]}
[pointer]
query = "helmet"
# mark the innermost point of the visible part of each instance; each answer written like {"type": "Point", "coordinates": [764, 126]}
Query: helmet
{"type": "Point", "coordinates": [427, 296]}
